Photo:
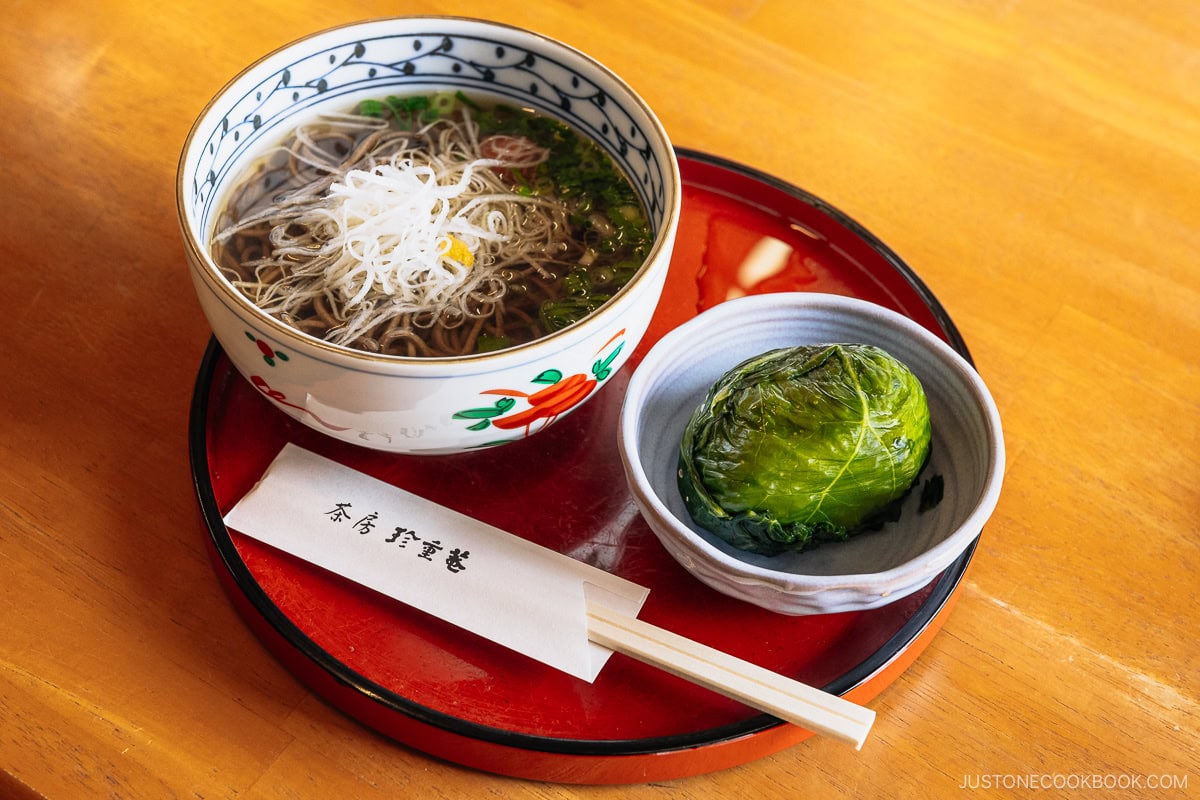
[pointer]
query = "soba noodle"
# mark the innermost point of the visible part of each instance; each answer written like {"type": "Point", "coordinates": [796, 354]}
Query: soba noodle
{"type": "Point", "coordinates": [406, 230]}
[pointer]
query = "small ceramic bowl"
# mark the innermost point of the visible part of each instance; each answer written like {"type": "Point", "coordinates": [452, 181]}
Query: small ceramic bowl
{"type": "Point", "coordinates": [870, 569]}
{"type": "Point", "coordinates": [429, 405]}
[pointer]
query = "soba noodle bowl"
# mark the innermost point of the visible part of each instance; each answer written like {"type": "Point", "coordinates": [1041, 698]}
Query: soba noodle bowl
{"type": "Point", "coordinates": [432, 226]}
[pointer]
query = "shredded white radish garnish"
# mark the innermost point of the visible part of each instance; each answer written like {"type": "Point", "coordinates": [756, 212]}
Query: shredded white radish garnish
{"type": "Point", "coordinates": [400, 232]}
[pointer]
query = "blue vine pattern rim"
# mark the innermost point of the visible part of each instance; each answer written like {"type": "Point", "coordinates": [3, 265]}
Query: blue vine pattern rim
{"type": "Point", "coordinates": [373, 64]}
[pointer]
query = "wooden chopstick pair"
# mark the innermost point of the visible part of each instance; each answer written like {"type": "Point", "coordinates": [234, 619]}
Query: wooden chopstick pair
{"type": "Point", "coordinates": [790, 700]}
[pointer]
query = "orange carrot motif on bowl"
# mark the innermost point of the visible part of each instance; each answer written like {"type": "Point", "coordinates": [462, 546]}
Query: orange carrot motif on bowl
{"type": "Point", "coordinates": [560, 394]}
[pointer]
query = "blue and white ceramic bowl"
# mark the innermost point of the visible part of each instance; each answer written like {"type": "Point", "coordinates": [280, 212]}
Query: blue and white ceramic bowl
{"type": "Point", "coordinates": [431, 405]}
{"type": "Point", "coordinates": [871, 569]}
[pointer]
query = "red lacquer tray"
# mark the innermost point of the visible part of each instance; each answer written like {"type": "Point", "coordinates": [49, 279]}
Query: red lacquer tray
{"type": "Point", "coordinates": [458, 697]}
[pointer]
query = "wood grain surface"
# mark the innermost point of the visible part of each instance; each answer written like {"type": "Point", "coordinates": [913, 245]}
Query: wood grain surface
{"type": "Point", "coordinates": [1035, 162]}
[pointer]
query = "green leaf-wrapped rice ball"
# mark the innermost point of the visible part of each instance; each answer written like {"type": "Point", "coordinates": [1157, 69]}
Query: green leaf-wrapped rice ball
{"type": "Point", "coordinates": [803, 445]}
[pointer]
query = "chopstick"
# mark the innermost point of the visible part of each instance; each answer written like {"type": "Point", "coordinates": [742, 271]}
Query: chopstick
{"type": "Point", "coordinates": [791, 701]}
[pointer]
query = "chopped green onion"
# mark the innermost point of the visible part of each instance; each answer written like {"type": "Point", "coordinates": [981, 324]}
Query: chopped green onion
{"type": "Point", "coordinates": [487, 343]}
{"type": "Point", "coordinates": [558, 314]}
{"type": "Point", "coordinates": [466, 101]}
{"type": "Point", "coordinates": [370, 108]}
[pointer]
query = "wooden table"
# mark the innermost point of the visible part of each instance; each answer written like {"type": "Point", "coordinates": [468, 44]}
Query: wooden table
{"type": "Point", "coordinates": [1035, 162]}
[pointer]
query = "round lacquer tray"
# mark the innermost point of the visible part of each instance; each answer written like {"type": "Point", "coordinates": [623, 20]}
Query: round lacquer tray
{"type": "Point", "coordinates": [455, 696]}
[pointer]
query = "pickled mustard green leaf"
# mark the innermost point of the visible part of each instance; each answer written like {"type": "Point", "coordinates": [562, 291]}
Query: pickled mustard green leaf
{"type": "Point", "coordinates": [804, 445]}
